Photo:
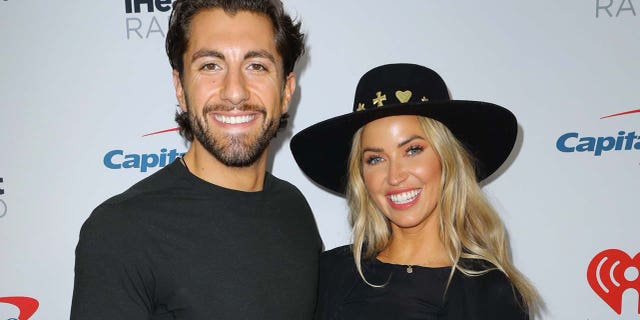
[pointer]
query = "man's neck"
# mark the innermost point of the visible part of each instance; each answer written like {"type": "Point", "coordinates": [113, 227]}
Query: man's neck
{"type": "Point", "coordinates": [205, 166]}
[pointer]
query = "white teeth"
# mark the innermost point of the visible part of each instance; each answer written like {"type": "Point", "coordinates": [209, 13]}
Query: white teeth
{"type": "Point", "coordinates": [234, 119]}
{"type": "Point", "coordinates": [404, 197]}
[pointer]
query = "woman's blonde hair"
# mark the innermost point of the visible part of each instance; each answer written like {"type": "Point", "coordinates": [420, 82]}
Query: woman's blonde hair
{"type": "Point", "coordinates": [469, 226]}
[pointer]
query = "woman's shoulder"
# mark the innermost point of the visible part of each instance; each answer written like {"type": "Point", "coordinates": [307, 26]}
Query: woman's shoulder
{"type": "Point", "coordinates": [341, 252]}
{"type": "Point", "coordinates": [337, 277]}
{"type": "Point", "coordinates": [490, 278]}
{"type": "Point", "coordinates": [337, 267]}
{"type": "Point", "coordinates": [490, 292]}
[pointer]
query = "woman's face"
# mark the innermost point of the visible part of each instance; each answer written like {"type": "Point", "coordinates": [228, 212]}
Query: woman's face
{"type": "Point", "coordinates": [401, 172]}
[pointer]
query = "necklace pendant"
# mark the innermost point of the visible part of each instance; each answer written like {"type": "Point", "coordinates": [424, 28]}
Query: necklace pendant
{"type": "Point", "coordinates": [409, 269]}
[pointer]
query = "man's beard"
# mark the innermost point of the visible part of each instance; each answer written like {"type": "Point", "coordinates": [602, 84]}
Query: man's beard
{"type": "Point", "coordinates": [233, 150]}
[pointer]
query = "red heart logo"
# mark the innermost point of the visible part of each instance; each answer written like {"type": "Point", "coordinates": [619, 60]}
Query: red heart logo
{"type": "Point", "coordinates": [606, 276]}
{"type": "Point", "coordinates": [26, 305]}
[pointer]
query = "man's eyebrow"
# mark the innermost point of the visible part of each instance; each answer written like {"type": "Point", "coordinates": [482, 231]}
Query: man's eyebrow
{"type": "Point", "coordinates": [260, 54]}
{"type": "Point", "coordinates": [217, 54]}
{"type": "Point", "coordinates": [206, 53]}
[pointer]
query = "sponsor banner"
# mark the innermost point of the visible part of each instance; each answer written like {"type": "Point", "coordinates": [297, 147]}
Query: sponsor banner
{"type": "Point", "coordinates": [20, 308]}
{"type": "Point", "coordinates": [147, 19]}
{"type": "Point", "coordinates": [583, 142]}
{"type": "Point", "coordinates": [615, 8]}
{"type": "Point", "coordinates": [612, 272]}
{"type": "Point", "coordinates": [121, 159]}
{"type": "Point", "coordinates": [573, 87]}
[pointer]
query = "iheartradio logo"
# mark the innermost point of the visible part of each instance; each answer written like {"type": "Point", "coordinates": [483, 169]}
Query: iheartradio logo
{"type": "Point", "coordinates": [610, 273]}
{"type": "Point", "coordinates": [26, 305]}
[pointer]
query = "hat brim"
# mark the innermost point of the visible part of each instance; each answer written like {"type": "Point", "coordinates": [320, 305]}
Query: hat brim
{"type": "Point", "coordinates": [487, 130]}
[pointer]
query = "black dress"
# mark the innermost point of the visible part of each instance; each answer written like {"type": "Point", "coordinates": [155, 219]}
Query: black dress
{"type": "Point", "coordinates": [415, 293]}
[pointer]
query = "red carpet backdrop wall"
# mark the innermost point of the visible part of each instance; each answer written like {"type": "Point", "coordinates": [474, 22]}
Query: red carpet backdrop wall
{"type": "Point", "coordinates": [88, 103]}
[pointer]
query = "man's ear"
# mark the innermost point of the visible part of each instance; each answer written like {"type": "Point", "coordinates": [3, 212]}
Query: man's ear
{"type": "Point", "coordinates": [177, 84]}
{"type": "Point", "coordinates": [289, 89]}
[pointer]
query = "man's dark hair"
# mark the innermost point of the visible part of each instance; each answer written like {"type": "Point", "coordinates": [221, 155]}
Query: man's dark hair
{"type": "Point", "coordinates": [288, 38]}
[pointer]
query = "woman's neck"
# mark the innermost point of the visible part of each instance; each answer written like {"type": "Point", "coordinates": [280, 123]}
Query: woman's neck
{"type": "Point", "coordinates": [421, 249]}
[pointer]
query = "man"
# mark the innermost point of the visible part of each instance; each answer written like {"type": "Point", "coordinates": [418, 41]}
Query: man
{"type": "Point", "coordinates": [213, 235]}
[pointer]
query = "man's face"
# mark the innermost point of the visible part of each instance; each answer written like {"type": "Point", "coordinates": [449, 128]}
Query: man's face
{"type": "Point", "coordinates": [232, 85]}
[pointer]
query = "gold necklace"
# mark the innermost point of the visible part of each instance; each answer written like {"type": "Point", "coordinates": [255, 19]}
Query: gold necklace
{"type": "Point", "coordinates": [409, 266]}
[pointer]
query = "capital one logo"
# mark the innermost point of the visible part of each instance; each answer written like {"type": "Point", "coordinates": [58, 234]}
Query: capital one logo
{"type": "Point", "coordinates": [119, 159]}
{"type": "Point", "coordinates": [26, 305]}
{"type": "Point", "coordinates": [611, 273]}
{"type": "Point", "coordinates": [622, 141]}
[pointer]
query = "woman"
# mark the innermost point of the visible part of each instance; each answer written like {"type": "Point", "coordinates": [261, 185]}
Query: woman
{"type": "Point", "coordinates": [426, 242]}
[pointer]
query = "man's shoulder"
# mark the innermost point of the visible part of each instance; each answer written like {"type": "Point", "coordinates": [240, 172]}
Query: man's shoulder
{"type": "Point", "coordinates": [284, 192]}
{"type": "Point", "coordinates": [156, 186]}
{"type": "Point", "coordinates": [161, 181]}
{"type": "Point", "coordinates": [118, 211]}
{"type": "Point", "coordinates": [278, 185]}
{"type": "Point", "coordinates": [111, 219]}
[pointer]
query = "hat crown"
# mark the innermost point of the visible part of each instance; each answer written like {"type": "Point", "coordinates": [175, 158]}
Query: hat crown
{"type": "Point", "coordinates": [393, 85]}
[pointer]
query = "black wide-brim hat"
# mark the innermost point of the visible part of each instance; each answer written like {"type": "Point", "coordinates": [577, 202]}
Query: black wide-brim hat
{"type": "Point", "coordinates": [487, 130]}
